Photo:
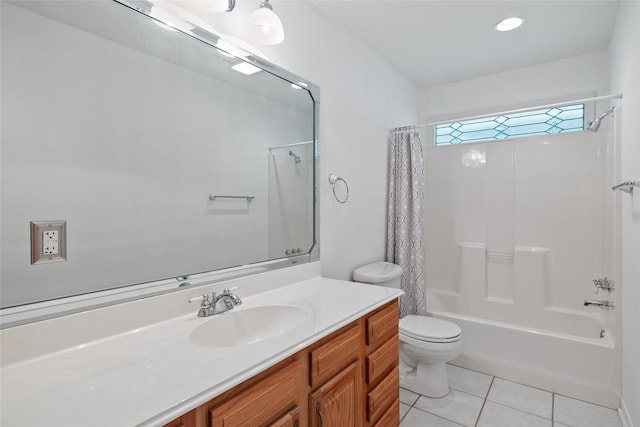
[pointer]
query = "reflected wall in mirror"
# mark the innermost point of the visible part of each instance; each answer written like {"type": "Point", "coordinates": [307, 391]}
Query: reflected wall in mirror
{"type": "Point", "coordinates": [131, 132]}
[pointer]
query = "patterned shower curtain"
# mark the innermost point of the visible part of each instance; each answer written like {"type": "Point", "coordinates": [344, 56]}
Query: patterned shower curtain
{"type": "Point", "coordinates": [405, 218]}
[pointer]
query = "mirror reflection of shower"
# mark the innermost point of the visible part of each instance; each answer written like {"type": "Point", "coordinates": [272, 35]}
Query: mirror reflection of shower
{"type": "Point", "coordinates": [291, 174]}
{"type": "Point", "coordinates": [296, 158]}
{"type": "Point", "coordinates": [595, 125]}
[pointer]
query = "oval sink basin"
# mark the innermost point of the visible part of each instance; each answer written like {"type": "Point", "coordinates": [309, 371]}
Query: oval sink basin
{"type": "Point", "coordinates": [248, 326]}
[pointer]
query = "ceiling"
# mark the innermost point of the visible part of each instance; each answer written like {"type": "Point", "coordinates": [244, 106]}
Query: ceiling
{"type": "Point", "coordinates": [434, 41]}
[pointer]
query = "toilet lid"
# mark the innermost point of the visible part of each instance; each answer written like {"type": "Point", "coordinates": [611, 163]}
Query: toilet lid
{"type": "Point", "coordinates": [429, 329]}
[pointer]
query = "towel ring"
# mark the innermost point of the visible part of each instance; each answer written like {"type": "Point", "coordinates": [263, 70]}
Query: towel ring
{"type": "Point", "coordinates": [333, 179]}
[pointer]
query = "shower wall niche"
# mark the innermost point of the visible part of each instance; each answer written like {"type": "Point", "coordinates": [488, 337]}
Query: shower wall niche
{"type": "Point", "coordinates": [518, 229]}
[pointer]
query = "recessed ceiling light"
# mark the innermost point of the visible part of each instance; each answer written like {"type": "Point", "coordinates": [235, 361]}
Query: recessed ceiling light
{"type": "Point", "coordinates": [246, 68]}
{"type": "Point", "coordinates": [509, 24]}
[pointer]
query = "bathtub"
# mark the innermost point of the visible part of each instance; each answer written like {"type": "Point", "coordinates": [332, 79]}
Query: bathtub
{"type": "Point", "coordinates": [576, 362]}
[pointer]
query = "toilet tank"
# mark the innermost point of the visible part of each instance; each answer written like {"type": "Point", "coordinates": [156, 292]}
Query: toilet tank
{"type": "Point", "coordinates": [379, 273]}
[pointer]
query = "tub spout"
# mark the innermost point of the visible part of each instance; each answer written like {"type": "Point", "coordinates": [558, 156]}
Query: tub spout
{"type": "Point", "coordinates": [601, 304]}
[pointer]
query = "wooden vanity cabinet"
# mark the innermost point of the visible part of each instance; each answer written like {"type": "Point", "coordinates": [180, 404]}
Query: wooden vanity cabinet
{"type": "Point", "coordinates": [347, 379]}
{"type": "Point", "coordinates": [382, 375]}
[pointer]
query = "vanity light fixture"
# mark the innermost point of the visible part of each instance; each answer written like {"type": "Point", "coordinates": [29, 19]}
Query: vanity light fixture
{"type": "Point", "coordinates": [509, 24]}
{"type": "Point", "coordinates": [246, 68]}
{"type": "Point", "coordinates": [218, 6]}
{"type": "Point", "coordinates": [264, 26]}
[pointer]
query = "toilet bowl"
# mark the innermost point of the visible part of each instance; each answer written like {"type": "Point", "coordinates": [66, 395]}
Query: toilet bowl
{"type": "Point", "coordinates": [426, 343]}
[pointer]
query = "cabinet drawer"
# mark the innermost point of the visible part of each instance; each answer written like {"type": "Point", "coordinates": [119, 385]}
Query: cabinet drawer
{"type": "Point", "coordinates": [187, 420]}
{"type": "Point", "coordinates": [382, 359]}
{"type": "Point", "coordinates": [391, 417]}
{"type": "Point", "coordinates": [266, 400]}
{"type": "Point", "coordinates": [383, 395]}
{"type": "Point", "coordinates": [333, 356]}
{"type": "Point", "coordinates": [382, 325]}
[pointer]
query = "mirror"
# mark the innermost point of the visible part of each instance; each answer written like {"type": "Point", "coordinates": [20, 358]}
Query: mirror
{"type": "Point", "coordinates": [165, 162]}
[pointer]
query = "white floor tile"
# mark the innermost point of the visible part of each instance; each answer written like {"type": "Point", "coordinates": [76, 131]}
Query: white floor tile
{"type": "Point", "coordinates": [457, 406]}
{"type": "Point", "coordinates": [404, 409]}
{"type": "Point", "coordinates": [518, 396]}
{"type": "Point", "coordinates": [418, 418]}
{"type": "Point", "coordinates": [576, 413]}
{"type": "Point", "coordinates": [408, 397]}
{"type": "Point", "coordinates": [496, 415]}
{"type": "Point", "coordinates": [471, 382]}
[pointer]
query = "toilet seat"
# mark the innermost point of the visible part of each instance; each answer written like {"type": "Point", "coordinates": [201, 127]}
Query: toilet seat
{"type": "Point", "coordinates": [429, 329]}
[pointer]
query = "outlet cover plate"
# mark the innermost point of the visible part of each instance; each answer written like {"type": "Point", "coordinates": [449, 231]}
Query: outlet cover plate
{"type": "Point", "coordinates": [44, 252]}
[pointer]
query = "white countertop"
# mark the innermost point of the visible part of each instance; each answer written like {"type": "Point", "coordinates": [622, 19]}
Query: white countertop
{"type": "Point", "coordinates": [151, 375]}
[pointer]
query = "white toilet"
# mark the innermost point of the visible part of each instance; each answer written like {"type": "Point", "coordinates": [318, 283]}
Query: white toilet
{"type": "Point", "coordinates": [426, 343]}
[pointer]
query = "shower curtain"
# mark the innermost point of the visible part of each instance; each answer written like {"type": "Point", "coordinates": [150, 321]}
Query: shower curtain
{"type": "Point", "coordinates": [405, 218]}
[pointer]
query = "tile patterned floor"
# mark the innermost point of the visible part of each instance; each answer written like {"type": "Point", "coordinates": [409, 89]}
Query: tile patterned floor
{"type": "Point", "coordinates": [480, 400]}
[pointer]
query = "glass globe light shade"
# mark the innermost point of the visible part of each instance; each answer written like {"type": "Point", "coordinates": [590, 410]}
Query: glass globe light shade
{"type": "Point", "coordinates": [265, 27]}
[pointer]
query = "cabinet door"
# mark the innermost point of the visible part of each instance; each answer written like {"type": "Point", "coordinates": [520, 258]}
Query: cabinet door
{"type": "Point", "coordinates": [291, 419]}
{"type": "Point", "coordinates": [336, 403]}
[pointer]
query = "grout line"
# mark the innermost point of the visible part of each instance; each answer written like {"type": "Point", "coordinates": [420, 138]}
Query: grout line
{"type": "Point", "coordinates": [553, 407]}
{"type": "Point", "coordinates": [484, 402]}
{"type": "Point", "coordinates": [437, 416]}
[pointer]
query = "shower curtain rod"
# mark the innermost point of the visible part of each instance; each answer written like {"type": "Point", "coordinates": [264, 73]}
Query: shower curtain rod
{"type": "Point", "coordinates": [295, 144]}
{"type": "Point", "coordinates": [520, 110]}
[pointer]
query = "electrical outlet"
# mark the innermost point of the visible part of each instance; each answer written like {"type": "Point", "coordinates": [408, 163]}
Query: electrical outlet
{"type": "Point", "coordinates": [48, 241]}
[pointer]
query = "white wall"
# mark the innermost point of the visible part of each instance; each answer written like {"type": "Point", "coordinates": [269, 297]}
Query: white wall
{"type": "Point", "coordinates": [553, 81]}
{"type": "Point", "coordinates": [362, 96]}
{"type": "Point", "coordinates": [625, 78]}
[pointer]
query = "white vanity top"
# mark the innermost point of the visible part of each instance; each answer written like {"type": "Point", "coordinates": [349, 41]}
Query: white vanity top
{"type": "Point", "coordinates": [151, 375]}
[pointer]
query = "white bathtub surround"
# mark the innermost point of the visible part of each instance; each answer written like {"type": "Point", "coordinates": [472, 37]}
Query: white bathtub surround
{"type": "Point", "coordinates": [153, 373]}
{"type": "Point", "coordinates": [405, 218]}
{"type": "Point", "coordinates": [513, 247]}
{"type": "Point", "coordinates": [568, 364]}
{"type": "Point", "coordinates": [499, 403]}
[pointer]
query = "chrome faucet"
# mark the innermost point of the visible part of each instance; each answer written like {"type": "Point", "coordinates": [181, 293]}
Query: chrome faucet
{"type": "Point", "coordinates": [601, 304]}
{"type": "Point", "coordinates": [218, 303]}
{"type": "Point", "coordinates": [604, 284]}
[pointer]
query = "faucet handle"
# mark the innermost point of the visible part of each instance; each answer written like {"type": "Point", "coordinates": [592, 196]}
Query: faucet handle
{"type": "Point", "coordinates": [235, 298]}
{"type": "Point", "coordinates": [204, 298]}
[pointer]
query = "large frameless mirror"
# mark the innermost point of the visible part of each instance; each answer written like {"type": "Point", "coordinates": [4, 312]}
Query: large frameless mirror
{"type": "Point", "coordinates": [163, 160]}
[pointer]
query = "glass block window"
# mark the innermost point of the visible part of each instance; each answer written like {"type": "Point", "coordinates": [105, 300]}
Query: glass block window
{"type": "Point", "coordinates": [568, 118]}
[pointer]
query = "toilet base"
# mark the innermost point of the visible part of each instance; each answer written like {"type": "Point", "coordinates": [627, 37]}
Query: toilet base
{"type": "Point", "coordinates": [427, 380]}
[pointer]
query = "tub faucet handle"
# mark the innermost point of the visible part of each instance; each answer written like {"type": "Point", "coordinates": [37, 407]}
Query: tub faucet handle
{"type": "Point", "coordinates": [601, 304]}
